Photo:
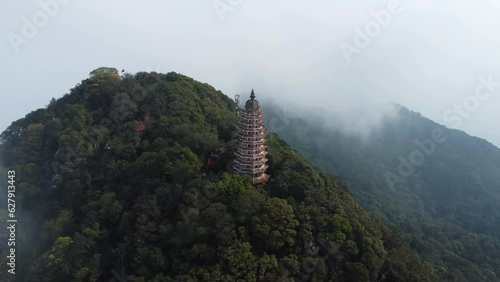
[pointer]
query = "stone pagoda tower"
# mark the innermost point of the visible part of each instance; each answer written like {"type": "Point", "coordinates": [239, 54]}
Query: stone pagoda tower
{"type": "Point", "coordinates": [251, 152]}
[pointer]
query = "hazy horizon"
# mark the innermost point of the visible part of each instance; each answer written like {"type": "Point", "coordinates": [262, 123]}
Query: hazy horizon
{"type": "Point", "coordinates": [429, 57]}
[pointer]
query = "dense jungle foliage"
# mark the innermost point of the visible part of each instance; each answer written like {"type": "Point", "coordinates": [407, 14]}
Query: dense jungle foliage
{"type": "Point", "coordinates": [445, 206]}
{"type": "Point", "coordinates": [113, 185]}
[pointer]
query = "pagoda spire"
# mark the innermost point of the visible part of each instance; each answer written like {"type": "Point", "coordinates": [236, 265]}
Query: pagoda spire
{"type": "Point", "coordinates": [251, 152]}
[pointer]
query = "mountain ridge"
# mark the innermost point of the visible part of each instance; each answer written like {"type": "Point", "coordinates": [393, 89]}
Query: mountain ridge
{"type": "Point", "coordinates": [99, 197]}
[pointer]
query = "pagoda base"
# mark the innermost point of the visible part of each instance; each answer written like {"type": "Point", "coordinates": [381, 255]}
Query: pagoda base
{"type": "Point", "coordinates": [261, 179]}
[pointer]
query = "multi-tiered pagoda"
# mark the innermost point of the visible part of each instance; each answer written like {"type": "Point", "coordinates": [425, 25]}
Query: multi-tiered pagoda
{"type": "Point", "coordinates": [251, 153]}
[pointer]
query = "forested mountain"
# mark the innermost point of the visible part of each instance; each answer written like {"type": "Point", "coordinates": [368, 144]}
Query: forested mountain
{"type": "Point", "coordinates": [113, 184]}
{"type": "Point", "coordinates": [437, 188]}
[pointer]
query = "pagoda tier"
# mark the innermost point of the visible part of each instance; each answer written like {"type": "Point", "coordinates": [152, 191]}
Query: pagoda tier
{"type": "Point", "coordinates": [258, 139]}
{"type": "Point", "coordinates": [251, 153]}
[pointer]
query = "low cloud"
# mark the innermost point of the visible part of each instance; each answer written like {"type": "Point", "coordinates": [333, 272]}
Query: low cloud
{"type": "Point", "coordinates": [287, 51]}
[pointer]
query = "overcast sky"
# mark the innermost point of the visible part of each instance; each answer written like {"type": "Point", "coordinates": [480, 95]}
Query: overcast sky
{"type": "Point", "coordinates": [429, 56]}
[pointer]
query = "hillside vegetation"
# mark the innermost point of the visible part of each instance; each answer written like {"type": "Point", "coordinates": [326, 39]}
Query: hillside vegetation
{"type": "Point", "coordinates": [437, 188]}
{"type": "Point", "coordinates": [113, 182]}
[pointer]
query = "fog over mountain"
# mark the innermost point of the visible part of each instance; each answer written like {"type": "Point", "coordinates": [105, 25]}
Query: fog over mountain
{"type": "Point", "coordinates": [430, 57]}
